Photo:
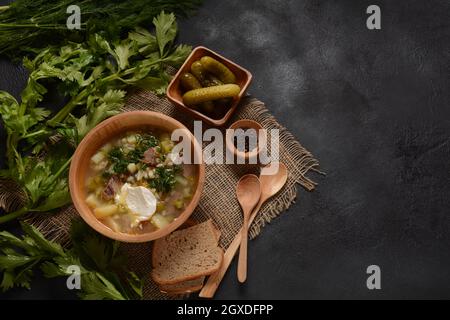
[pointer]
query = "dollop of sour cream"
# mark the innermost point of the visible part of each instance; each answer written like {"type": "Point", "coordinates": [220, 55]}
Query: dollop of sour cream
{"type": "Point", "coordinates": [139, 200]}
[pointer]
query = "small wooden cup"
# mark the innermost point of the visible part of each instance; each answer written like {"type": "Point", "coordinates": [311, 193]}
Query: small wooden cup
{"type": "Point", "coordinates": [105, 132]}
{"type": "Point", "coordinates": [175, 93]}
{"type": "Point", "coordinates": [252, 156]}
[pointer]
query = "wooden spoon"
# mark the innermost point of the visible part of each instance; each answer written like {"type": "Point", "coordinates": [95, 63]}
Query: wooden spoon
{"type": "Point", "coordinates": [270, 185]}
{"type": "Point", "coordinates": [248, 192]}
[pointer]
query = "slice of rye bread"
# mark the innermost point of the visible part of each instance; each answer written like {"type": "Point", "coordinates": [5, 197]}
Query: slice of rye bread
{"type": "Point", "coordinates": [191, 222]}
{"type": "Point", "coordinates": [190, 286]}
{"type": "Point", "coordinates": [184, 287]}
{"type": "Point", "coordinates": [186, 254]}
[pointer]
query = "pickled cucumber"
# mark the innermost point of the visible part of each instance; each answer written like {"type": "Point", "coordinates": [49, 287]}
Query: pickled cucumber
{"type": "Point", "coordinates": [189, 82]}
{"type": "Point", "coordinates": [197, 96]}
{"type": "Point", "coordinates": [199, 72]}
{"type": "Point", "coordinates": [218, 69]}
{"type": "Point", "coordinates": [213, 81]}
{"type": "Point", "coordinates": [208, 84]}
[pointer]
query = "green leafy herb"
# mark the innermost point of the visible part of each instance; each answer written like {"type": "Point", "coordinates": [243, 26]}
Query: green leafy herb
{"type": "Point", "coordinates": [101, 266]}
{"type": "Point", "coordinates": [144, 142]}
{"type": "Point", "coordinates": [28, 25]}
{"type": "Point", "coordinates": [95, 76]}
{"type": "Point", "coordinates": [118, 160]}
{"type": "Point", "coordinates": [164, 180]}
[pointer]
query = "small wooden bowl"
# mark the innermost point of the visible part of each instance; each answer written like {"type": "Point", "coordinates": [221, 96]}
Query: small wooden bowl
{"type": "Point", "coordinates": [252, 154]}
{"type": "Point", "coordinates": [175, 93]}
{"type": "Point", "coordinates": [106, 131]}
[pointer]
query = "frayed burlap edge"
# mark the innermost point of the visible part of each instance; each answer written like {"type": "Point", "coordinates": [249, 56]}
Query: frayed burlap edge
{"type": "Point", "coordinates": [11, 195]}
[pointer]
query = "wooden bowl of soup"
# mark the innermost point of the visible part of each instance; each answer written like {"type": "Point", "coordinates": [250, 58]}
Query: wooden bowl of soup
{"type": "Point", "coordinates": [137, 176]}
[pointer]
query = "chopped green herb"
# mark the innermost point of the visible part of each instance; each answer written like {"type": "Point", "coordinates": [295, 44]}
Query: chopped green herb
{"type": "Point", "coordinates": [118, 160]}
{"type": "Point", "coordinates": [144, 142]}
{"type": "Point", "coordinates": [164, 180]}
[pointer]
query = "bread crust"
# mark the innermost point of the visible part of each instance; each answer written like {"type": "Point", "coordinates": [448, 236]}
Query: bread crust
{"type": "Point", "coordinates": [182, 292]}
{"type": "Point", "coordinates": [189, 289]}
{"type": "Point", "coordinates": [157, 251]}
{"type": "Point", "coordinates": [193, 276]}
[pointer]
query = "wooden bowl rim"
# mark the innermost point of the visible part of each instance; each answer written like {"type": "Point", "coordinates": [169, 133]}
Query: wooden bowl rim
{"type": "Point", "coordinates": [87, 215]}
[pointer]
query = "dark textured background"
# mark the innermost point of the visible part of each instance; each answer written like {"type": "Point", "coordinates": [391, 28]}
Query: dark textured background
{"type": "Point", "coordinates": [373, 106]}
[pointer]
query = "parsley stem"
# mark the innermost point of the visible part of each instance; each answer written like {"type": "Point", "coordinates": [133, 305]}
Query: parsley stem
{"type": "Point", "coordinates": [35, 260]}
{"type": "Point", "coordinates": [13, 156]}
{"type": "Point", "coordinates": [131, 70]}
{"type": "Point", "coordinates": [64, 112]}
{"type": "Point", "coordinates": [33, 134]}
{"type": "Point", "coordinates": [9, 151]}
{"type": "Point", "coordinates": [13, 215]}
{"type": "Point", "coordinates": [60, 171]}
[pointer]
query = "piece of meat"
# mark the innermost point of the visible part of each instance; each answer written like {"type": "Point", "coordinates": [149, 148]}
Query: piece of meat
{"type": "Point", "coordinates": [112, 187]}
{"type": "Point", "coordinates": [150, 157]}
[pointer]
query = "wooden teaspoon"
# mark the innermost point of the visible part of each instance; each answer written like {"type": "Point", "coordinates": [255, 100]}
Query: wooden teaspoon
{"type": "Point", "coordinates": [248, 192]}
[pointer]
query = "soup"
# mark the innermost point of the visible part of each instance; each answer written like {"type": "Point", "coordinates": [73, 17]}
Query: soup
{"type": "Point", "coordinates": [134, 184]}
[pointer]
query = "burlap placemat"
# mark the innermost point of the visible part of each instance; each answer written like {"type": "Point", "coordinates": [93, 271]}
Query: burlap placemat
{"type": "Point", "coordinates": [217, 202]}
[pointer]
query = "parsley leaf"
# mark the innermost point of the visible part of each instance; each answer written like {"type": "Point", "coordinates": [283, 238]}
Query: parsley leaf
{"type": "Point", "coordinates": [145, 40]}
{"type": "Point", "coordinates": [99, 108]}
{"type": "Point", "coordinates": [166, 31]}
{"type": "Point", "coordinates": [96, 256]}
{"type": "Point", "coordinates": [177, 58]}
{"type": "Point", "coordinates": [123, 53]}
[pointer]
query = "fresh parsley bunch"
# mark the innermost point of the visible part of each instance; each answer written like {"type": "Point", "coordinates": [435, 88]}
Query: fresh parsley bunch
{"type": "Point", "coordinates": [94, 76]}
{"type": "Point", "coordinates": [101, 266]}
